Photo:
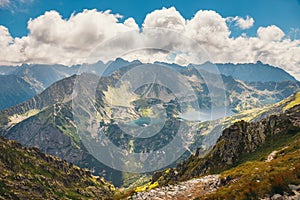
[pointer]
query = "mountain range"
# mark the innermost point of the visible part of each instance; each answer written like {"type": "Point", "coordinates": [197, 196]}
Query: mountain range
{"type": "Point", "coordinates": [258, 157]}
{"type": "Point", "coordinates": [39, 77]}
{"type": "Point", "coordinates": [38, 111]}
{"type": "Point", "coordinates": [251, 72]}
{"type": "Point", "coordinates": [46, 121]}
{"type": "Point", "coordinates": [252, 159]}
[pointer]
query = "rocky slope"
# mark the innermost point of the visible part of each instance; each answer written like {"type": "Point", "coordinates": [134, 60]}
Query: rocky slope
{"type": "Point", "coordinates": [40, 76]}
{"type": "Point", "coordinates": [236, 144]}
{"type": "Point", "coordinates": [183, 191]}
{"type": "Point", "coordinates": [27, 173]}
{"type": "Point", "coordinates": [239, 143]}
{"type": "Point", "coordinates": [268, 176]}
{"type": "Point", "coordinates": [271, 176]}
{"type": "Point", "coordinates": [258, 159]}
{"type": "Point", "coordinates": [46, 121]}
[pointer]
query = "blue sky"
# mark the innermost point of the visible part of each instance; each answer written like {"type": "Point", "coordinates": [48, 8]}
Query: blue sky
{"type": "Point", "coordinates": [231, 31]}
{"type": "Point", "coordinates": [282, 13]}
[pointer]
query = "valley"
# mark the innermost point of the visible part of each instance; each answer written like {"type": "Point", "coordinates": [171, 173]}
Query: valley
{"type": "Point", "coordinates": [50, 122]}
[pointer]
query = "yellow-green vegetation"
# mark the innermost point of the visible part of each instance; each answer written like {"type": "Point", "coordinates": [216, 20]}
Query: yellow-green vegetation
{"type": "Point", "coordinates": [258, 178]}
{"type": "Point", "coordinates": [246, 115]}
{"type": "Point", "coordinates": [27, 173]}
{"type": "Point", "coordinates": [133, 180]}
{"type": "Point", "coordinates": [18, 118]}
{"type": "Point", "coordinates": [125, 193]}
{"type": "Point", "coordinates": [146, 112]}
{"type": "Point", "coordinates": [60, 116]}
{"type": "Point", "coordinates": [148, 186]}
{"type": "Point", "coordinates": [296, 101]}
{"type": "Point", "coordinates": [119, 96]}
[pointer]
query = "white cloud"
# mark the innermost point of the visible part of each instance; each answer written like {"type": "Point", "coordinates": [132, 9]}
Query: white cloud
{"type": "Point", "coordinates": [270, 33]}
{"type": "Point", "coordinates": [5, 37]}
{"type": "Point", "coordinates": [92, 35]}
{"type": "Point", "coordinates": [208, 28]}
{"type": "Point", "coordinates": [166, 18]}
{"type": "Point", "coordinates": [53, 39]}
{"type": "Point", "coordinates": [241, 22]}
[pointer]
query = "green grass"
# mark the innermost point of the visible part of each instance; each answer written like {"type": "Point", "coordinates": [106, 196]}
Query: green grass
{"type": "Point", "coordinates": [28, 173]}
{"type": "Point", "coordinates": [271, 144]}
{"type": "Point", "coordinates": [293, 103]}
{"type": "Point", "coordinates": [257, 178]}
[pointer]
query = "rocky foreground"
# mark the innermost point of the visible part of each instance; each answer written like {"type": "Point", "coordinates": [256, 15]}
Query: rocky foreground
{"type": "Point", "coordinates": [184, 190]}
{"type": "Point", "coordinates": [200, 187]}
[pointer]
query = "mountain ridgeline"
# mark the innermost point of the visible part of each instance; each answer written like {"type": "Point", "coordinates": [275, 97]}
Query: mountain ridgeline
{"type": "Point", "coordinates": [252, 72]}
{"type": "Point", "coordinates": [46, 121]}
{"type": "Point", "coordinates": [39, 77]}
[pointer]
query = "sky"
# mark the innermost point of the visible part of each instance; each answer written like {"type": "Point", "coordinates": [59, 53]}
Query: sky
{"type": "Point", "coordinates": [70, 31]}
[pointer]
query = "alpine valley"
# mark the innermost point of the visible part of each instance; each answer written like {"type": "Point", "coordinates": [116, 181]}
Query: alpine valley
{"type": "Point", "coordinates": [249, 149]}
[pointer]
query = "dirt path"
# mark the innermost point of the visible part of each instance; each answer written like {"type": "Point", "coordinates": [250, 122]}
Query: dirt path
{"type": "Point", "coordinates": [183, 191]}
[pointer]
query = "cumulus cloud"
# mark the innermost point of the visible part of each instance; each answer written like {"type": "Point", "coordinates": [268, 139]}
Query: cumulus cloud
{"type": "Point", "coordinates": [165, 18]}
{"type": "Point", "coordinates": [208, 27]}
{"type": "Point", "coordinates": [241, 22]}
{"type": "Point", "coordinates": [52, 39]}
{"type": "Point", "coordinates": [270, 33]}
{"type": "Point", "coordinates": [165, 35]}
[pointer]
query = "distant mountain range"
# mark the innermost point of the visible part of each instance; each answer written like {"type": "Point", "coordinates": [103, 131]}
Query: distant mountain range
{"type": "Point", "coordinates": [42, 76]}
{"type": "Point", "coordinates": [46, 120]}
{"type": "Point", "coordinates": [254, 72]}
{"type": "Point", "coordinates": [39, 77]}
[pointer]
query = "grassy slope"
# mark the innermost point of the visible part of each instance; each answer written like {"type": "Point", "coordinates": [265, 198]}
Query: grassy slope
{"type": "Point", "coordinates": [258, 178]}
{"type": "Point", "coordinates": [262, 151]}
{"type": "Point", "coordinates": [254, 178]}
{"type": "Point", "coordinates": [27, 173]}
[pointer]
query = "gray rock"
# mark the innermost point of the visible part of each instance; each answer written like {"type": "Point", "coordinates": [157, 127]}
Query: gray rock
{"type": "Point", "coordinates": [294, 187]}
{"type": "Point", "coordinates": [277, 197]}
